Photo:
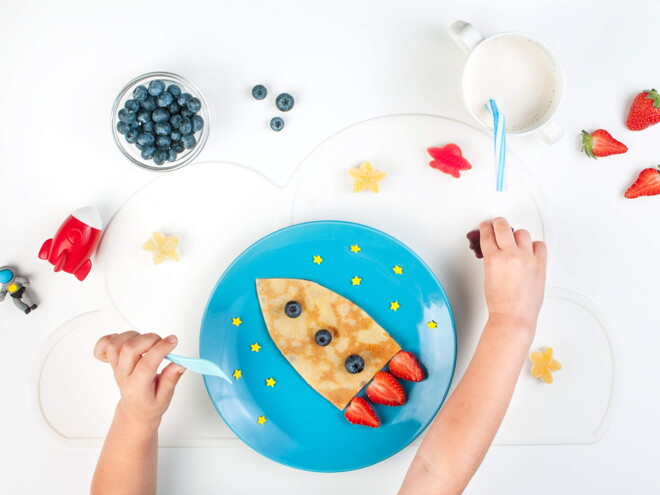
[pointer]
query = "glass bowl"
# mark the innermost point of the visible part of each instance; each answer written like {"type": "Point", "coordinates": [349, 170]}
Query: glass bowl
{"type": "Point", "coordinates": [130, 151]}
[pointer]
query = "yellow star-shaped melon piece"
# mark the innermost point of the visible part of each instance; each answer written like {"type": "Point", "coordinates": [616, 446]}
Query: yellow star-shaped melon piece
{"type": "Point", "coordinates": [356, 280]}
{"type": "Point", "coordinates": [237, 374]}
{"type": "Point", "coordinates": [318, 260]}
{"type": "Point", "coordinates": [261, 420]}
{"type": "Point", "coordinates": [255, 347]}
{"type": "Point", "coordinates": [397, 269]}
{"type": "Point", "coordinates": [394, 305]}
{"type": "Point", "coordinates": [236, 321]}
{"type": "Point", "coordinates": [432, 324]}
{"type": "Point", "coordinates": [355, 248]}
{"type": "Point", "coordinates": [270, 382]}
{"type": "Point", "coordinates": [163, 247]}
{"type": "Point", "coordinates": [366, 177]}
{"type": "Point", "coordinates": [543, 364]}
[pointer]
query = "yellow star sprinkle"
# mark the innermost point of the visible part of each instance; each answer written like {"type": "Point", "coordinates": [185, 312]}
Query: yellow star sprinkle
{"type": "Point", "coordinates": [543, 364]}
{"type": "Point", "coordinates": [318, 260]}
{"type": "Point", "coordinates": [270, 382]}
{"type": "Point", "coordinates": [397, 269]}
{"type": "Point", "coordinates": [366, 177]}
{"type": "Point", "coordinates": [237, 374]}
{"type": "Point", "coordinates": [255, 347]}
{"type": "Point", "coordinates": [432, 324]}
{"type": "Point", "coordinates": [261, 420]}
{"type": "Point", "coordinates": [236, 322]}
{"type": "Point", "coordinates": [356, 280]}
{"type": "Point", "coordinates": [355, 248]}
{"type": "Point", "coordinates": [394, 305]}
{"type": "Point", "coordinates": [163, 247]}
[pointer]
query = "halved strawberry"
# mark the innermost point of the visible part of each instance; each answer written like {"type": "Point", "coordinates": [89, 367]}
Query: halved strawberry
{"type": "Point", "coordinates": [405, 366]}
{"type": "Point", "coordinates": [647, 184]}
{"type": "Point", "coordinates": [360, 412]}
{"type": "Point", "coordinates": [601, 143]}
{"type": "Point", "coordinates": [386, 390]}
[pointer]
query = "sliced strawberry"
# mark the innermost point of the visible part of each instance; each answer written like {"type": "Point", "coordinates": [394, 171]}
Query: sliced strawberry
{"type": "Point", "coordinates": [449, 159]}
{"type": "Point", "coordinates": [601, 143]}
{"type": "Point", "coordinates": [386, 390]}
{"type": "Point", "coordinates": [644, 111]}
{"type": "Point", "coordinates": [405, 366]}
{"type": "Point", "coordinates": [360, 412]}
{"type": "Point", "coordinates": [647, 184]}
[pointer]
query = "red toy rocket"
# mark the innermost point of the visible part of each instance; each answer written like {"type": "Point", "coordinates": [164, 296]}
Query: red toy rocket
{"type": "Point", "coordinates": [74, 243]}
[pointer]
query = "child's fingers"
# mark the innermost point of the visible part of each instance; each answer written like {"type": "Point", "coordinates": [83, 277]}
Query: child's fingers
{"type": "Point", "coordinates": [541, 252]}
{"type": "Point", "coordinates": [101, 347]}
{"type": "Point", "coordinates": [114, 345]}
{"type": "Point", "coordinates": [167, 381]}
{"type": "Point", "coordinates": [147, 366]}
{"type": "Point", "coordinates": [132, 351]}
{"type": "Point", "coordinates": [487, 238]}
{"type": "Point", "coordinates": [503, 233]}
{"type": "Point", "coordinates": [523, 239]}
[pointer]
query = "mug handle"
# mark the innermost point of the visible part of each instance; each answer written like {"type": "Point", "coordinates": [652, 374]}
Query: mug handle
{"type": "Point", "coordinates": [551, 132]}
{"type": "Point", "coordinates": [465, 35]}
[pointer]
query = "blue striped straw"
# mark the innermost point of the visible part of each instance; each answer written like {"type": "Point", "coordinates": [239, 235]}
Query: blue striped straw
{"type": "Point", "coordinates": [499, 128]}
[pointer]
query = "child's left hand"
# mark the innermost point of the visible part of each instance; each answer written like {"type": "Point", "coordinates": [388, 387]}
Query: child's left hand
{"type": "Point", "coordinates": [145, 394]}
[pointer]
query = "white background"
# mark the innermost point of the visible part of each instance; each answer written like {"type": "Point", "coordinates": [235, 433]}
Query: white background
{"type": "Point", "coordinates": [62, 64]}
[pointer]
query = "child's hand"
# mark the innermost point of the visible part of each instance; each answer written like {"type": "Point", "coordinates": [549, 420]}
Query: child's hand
{"type": "Point", "coordinates": [515, 273]}
{"type": "Point", "coordinates": [145, 394]}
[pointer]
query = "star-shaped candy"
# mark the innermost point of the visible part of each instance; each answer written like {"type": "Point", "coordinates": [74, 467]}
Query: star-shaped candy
{"type": "Point", "coordinates": [237, 374]}
{"type": "Point", "coordinates": [355, 248]}
{"type": "Point", "coordinates": [261, 420]}
{"type": "Point", "coordinates": [255, 347]}
{"type": "Point", "coordinates": [543, 364]}
{"type": "Point", "coordinates": [356, 280]}
{"type": "Point", "coordinates": [397, 269]}
{"type": "Point", "coordinates": [236, 321]}
{"type": "Point", "coordinates": [366, 177]}
{"type": "Point", "coordinates": [318, 260]}
{"type": "Point", "coordinates": [163, 247]}
{"type": "Point", "coordinates": [432, 324]}
{"type": "Point", "coordinates": [394, 305]}
{"type": "Point", "coordinates": [270, 382]}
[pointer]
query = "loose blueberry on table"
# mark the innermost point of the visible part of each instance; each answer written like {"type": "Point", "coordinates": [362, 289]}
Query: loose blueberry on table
{"type": "Point", "coordinates": [277, 124]}
{"type": "Point", "coordinates": [284, 102]}
{"type": "Point", "coordinates": [161, 121]}
{"type": "Point", "coordinates": [259, 92]}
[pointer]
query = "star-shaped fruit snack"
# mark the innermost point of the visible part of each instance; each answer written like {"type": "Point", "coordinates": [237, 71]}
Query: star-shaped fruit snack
{"type": "Point", "coordinates": [366, 177]}
{"type": "Point", "coordinates": [543, 364]}
{"type": "Point", "coordinates": [162, 247]}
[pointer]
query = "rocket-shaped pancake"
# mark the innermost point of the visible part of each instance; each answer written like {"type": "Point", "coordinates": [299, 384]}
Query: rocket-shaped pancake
{"type": "Point", "coordinates": [332, 343]}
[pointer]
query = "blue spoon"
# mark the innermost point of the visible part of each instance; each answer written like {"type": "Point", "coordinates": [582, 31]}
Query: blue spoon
{"type": "Point", "coordinates": [198, 365]}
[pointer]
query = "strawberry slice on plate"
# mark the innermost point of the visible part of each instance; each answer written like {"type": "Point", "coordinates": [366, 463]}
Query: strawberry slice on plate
{"type": "Point", "coordinates": [644, 111]}
{"type": "Point", "coordinates": [647, 184]}
{"type": "Point", "coordinates": [360, 412]}
{"type": "Point", "coordinates": [449, 159]}
{"type": "Point", "coordinates": [601, 143]}
{"type": "Point", "coordinates": [386, 390]}
{"type": "Point", "coordinates": [404, 365]}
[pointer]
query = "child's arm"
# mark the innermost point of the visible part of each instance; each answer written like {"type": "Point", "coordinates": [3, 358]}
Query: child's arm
{"type": "Point", "coordinates": [127, 464]}
{"type": "Point", "coordinates": [460, 436]}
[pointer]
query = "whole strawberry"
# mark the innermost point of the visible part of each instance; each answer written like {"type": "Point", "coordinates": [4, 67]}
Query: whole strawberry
{"type": "Point", "coordinates": [647, 184]}
{"type": "Point", "coordinates": [601, 143]}
{"type": "Point", "coordinates": [645, 110]}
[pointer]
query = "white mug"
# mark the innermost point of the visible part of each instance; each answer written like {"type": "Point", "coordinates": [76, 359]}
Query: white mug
{"type": "Point", "coordinates": [522, 74]}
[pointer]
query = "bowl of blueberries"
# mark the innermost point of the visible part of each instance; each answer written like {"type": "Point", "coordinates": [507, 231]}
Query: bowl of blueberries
{"type": "Point", "coordinates": [160, 121]}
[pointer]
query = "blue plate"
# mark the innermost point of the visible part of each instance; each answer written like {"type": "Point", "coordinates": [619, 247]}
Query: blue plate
{"type": "Point", "coordinates": [301, 428]}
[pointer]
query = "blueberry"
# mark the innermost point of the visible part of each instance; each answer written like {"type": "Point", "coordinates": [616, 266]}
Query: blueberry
{"type": "Point", "coordinates": [160, 115]}
{"type": "Point", "coordinates": [144, 115]}
{"type": "Point", "coordinates": [198, 123]}
{"type": "Point", "coordinates": [189, 141]}
{"type": "Point", "coordinates": [354, 364]}
{"type": "Point", "coordinates": [277, 124]}
{"type": "Point", "coordinates": [132, 135]}
{"type": "Point", "coordinates": [174, 90]}
{"type": "Point", "coordinates": [140, 93]}
{"type": "Point", "coordinates": [183, 99]}
{"type": "Point", "coordinates": [149, 104]}
{"type": "Point", "coordinates": [323, 337]}
{"type": "Point", "coordinates": [146, 138]}
{"type": "Point", "coordinates": [160, 156]}
{"type": "Point", "coordinates": [185, 126]}
{"type": "Point", "coordinates": [194, 105]}
{"type": "Point", "coordinates": [178, 146]}
{"type": "Point", "coordinates": [163, 141]}
{"type": "Point", "coordinates": [175, 120]}
{"type": "Point", "coordinates": [187, 113]}
{"type": "Point", "coordinates": [148, 126]}
{"type": "Point", "coordinates": [163, 128]}
{"type": "Point", "coordinates": [292, 309]}
{"type": "Point", "coordinates": [259, 92]}
{"type": "Point", "coordinates": [156, 87]}
{"type": "Point", "coordinates": [126, 115]}
{"type": "Point", "coordinates": [132, 105]}
{"type": "Point", "coordinates": [164, 99]}
{"type": "Point", "coordinates": [175, 135]}
{"type": "Point", "coordinates": [173, 108]}
{"type": "Point", "coordinates": [171, 156]}
{"type": "Point", "coordinates": [139, 146]}
{"type": "Point", "coordinates": [284, 102]}
{"type": "Point", "coordinates": [148, 152]}
{"type": "Point", "coordinates": [122, 127]}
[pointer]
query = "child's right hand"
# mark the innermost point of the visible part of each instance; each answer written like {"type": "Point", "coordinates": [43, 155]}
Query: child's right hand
{"type": "Point", "coordinates": [145, 394]}
{"type": "Point", "coordinates": [515, 273]}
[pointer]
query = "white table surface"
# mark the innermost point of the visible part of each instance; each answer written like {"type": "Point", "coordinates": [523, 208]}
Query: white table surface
{"type": "Point", "coordinates": [62, 64]}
